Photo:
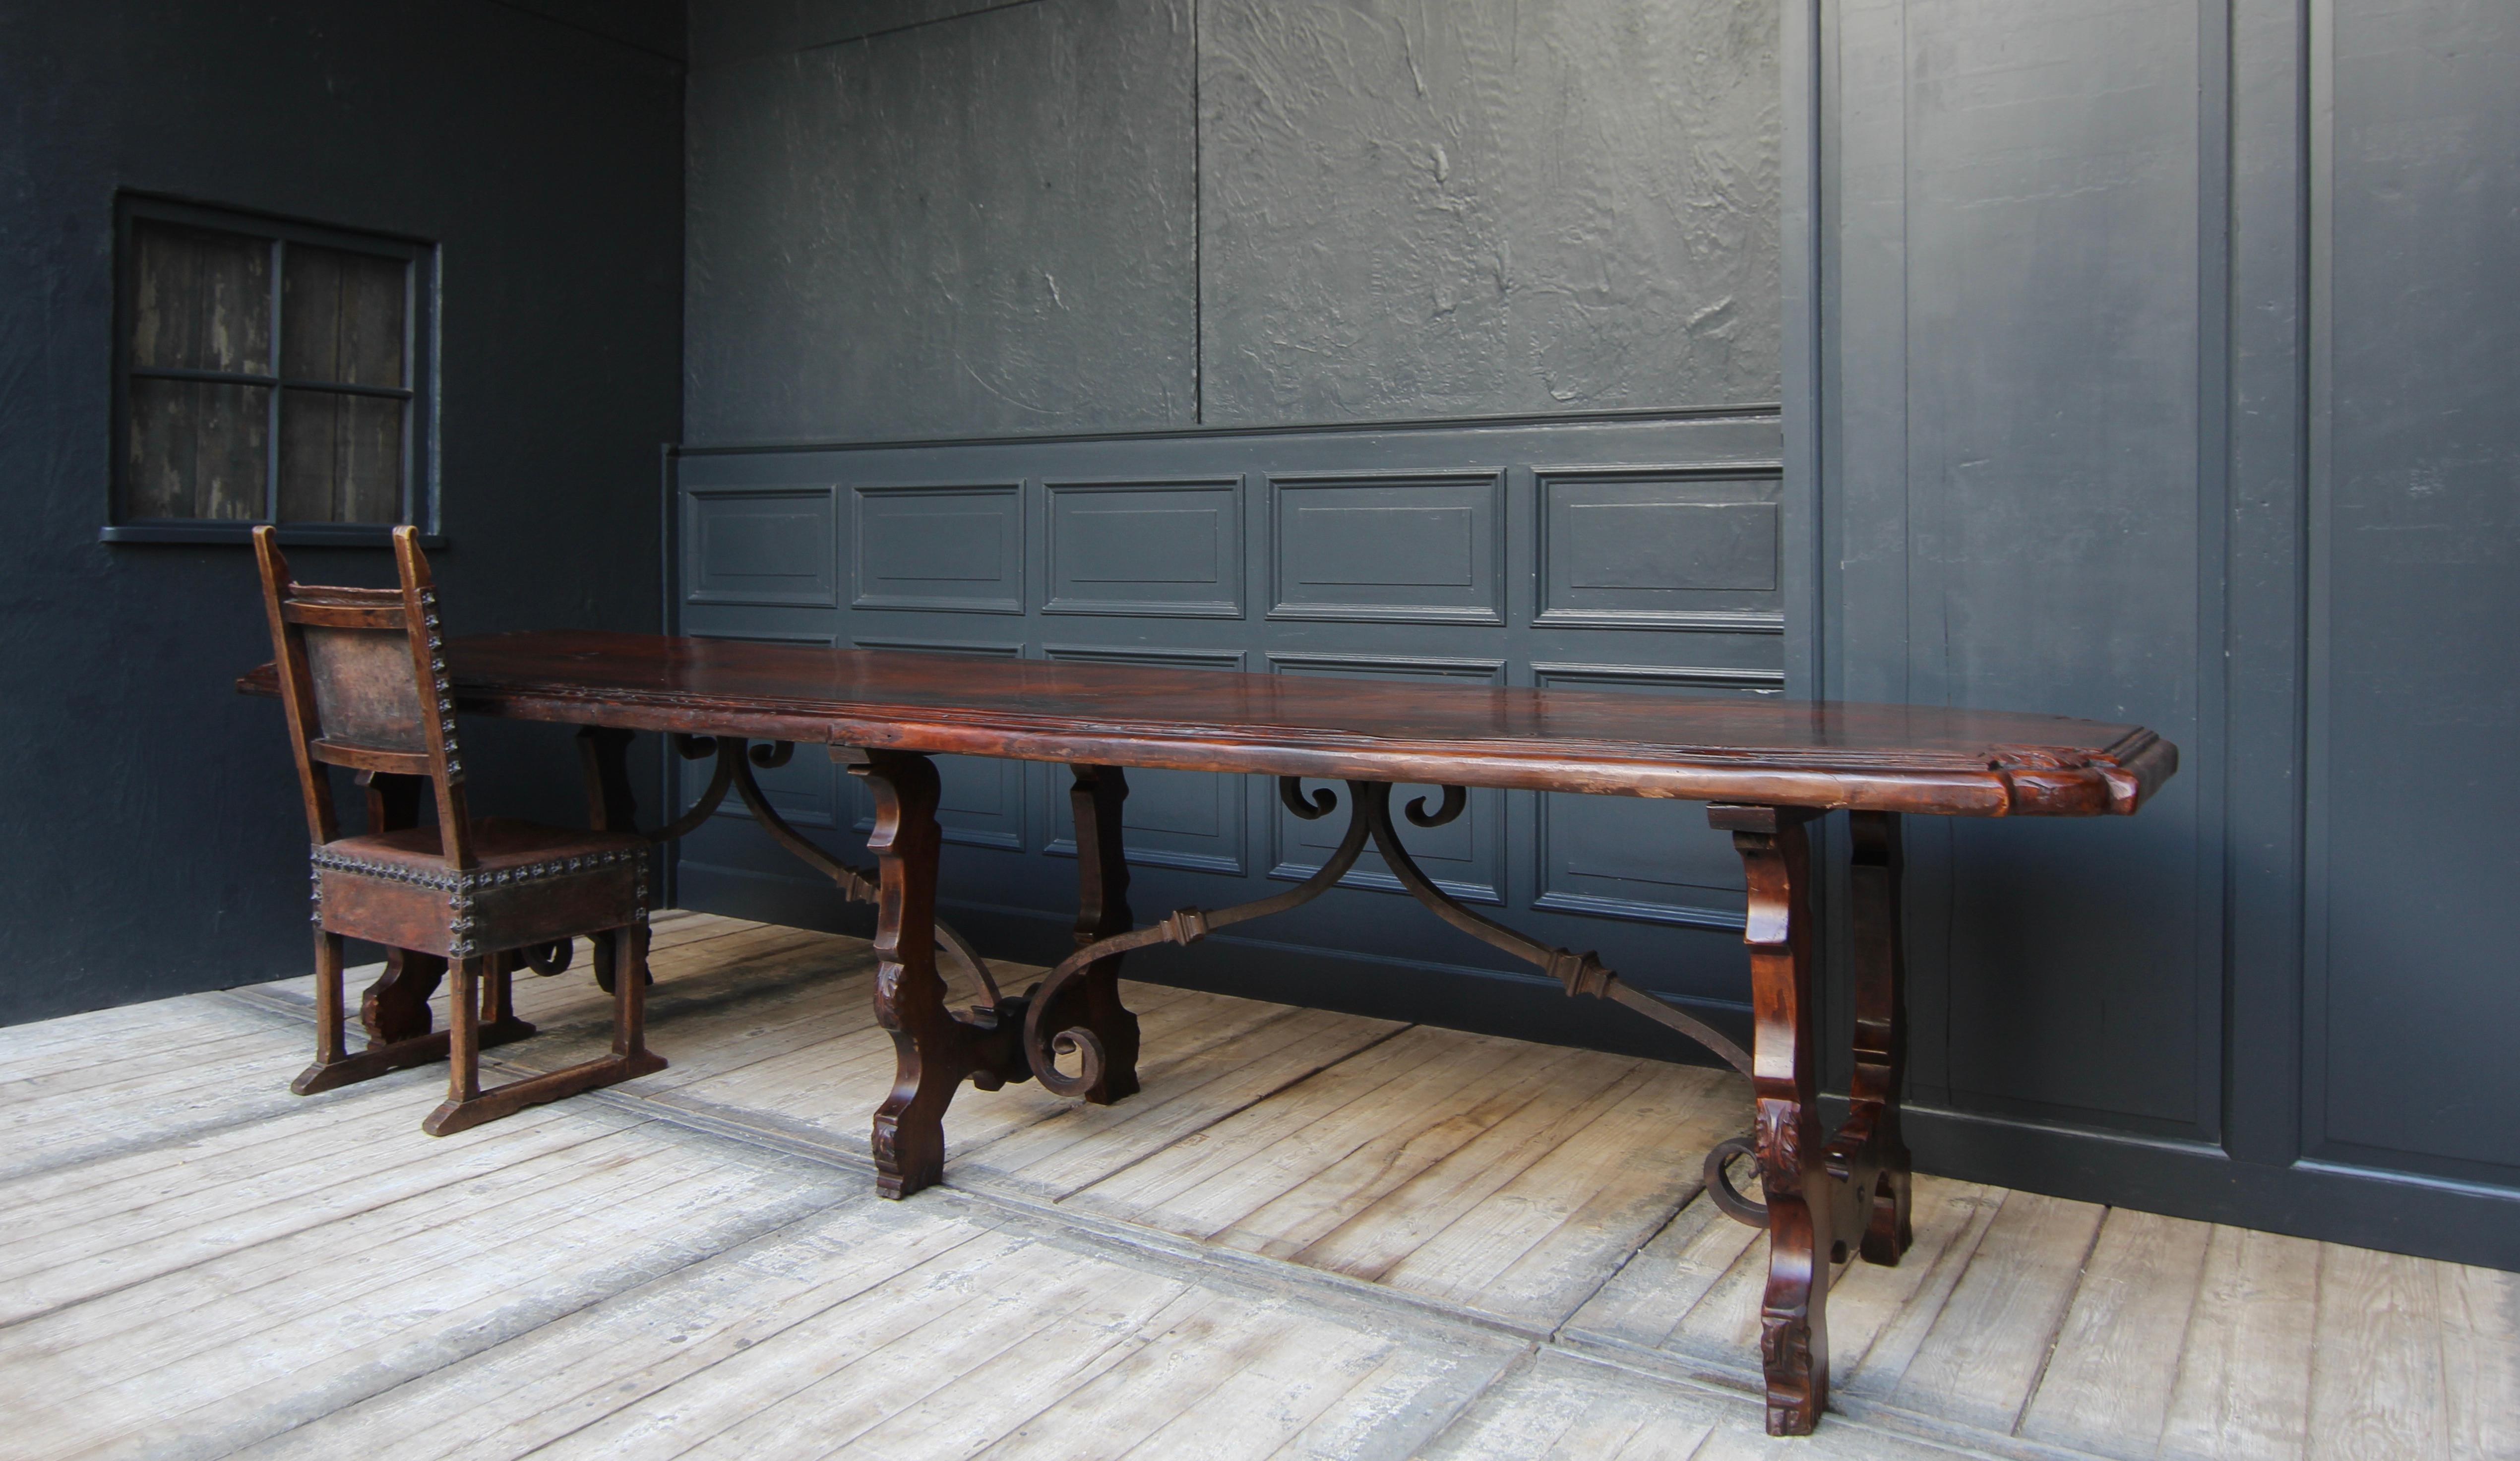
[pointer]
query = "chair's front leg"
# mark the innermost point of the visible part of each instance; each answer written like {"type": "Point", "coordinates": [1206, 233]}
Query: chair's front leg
{"type": "Point", "coordinates": [467, 1105]}
{"type": "Point", "coordinates": [1793, 1322]}
{"type": "Point", "coordinates": [929, 1049]}
{"type": "Point", "coordinates": [464, 1032]}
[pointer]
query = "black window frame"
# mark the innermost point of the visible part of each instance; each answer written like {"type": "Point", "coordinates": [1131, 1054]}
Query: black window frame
{"type": "Point", "coordinates": [418, 391]}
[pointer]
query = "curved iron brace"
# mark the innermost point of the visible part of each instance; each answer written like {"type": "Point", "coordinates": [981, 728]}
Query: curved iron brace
{"type": "Point", "coordinates": [1580, 973]}
{"type": "Point", "coordinates": [1043, 1048]}
{"type": "Point", "coordinates": [736, 760]}
{"type": "Point", "coordinates": [721, 780]}
{"type": "Point", "coordinates": [547, 959]}
{"type": "Point", "coordinates": [1719, 1181]}
{"type": "Point", "coordinates": [1368, 818]}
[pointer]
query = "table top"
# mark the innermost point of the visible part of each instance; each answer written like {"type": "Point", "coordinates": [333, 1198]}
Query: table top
{"type": "Point", "coordinates": [1725, 748]}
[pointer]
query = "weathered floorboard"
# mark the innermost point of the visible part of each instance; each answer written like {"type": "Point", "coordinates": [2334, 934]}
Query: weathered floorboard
{"type": "Point", "coordinates": [211, 1266]}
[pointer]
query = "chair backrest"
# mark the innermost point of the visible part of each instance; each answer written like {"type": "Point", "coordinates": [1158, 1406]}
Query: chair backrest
{"type": "Point", "coordinates": [363, 675]}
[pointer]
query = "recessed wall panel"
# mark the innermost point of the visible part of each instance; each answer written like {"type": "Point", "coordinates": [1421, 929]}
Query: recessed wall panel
{"type": "Point", "coordinates": [1172, 550]}
{"type": "Point", "coordinates": [1415, 549]}
{"type": "Point", "coordinates": [955, 548]}
{"type": "Point", "coordinates": [2412, 1012]}
{"type": "Point", "coordinates": [1659, 548]}
{"type": "Point", "coordinates": [773, 546]}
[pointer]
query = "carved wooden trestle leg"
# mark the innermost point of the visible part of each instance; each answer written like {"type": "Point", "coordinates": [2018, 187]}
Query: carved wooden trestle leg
{"type": "Point", "coordinates": [1093, 1001]}
{"type": "Point", "coordinates": [1880, 1032]}
{"type": "Point", "coordinates": [935, 1048]}
{"type": "Point", "coordinates": [1825, 1195]}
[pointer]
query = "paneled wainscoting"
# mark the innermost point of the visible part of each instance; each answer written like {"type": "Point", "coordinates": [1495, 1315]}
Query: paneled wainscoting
{"type": "Point", "coordinates": [1310, 1234]}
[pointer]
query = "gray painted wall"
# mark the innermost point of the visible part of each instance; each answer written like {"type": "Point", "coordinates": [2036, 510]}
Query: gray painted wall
{"type": "Point", "coordinates": [980, 225]}
{"type": "Point", "coordinates": [154, 841]}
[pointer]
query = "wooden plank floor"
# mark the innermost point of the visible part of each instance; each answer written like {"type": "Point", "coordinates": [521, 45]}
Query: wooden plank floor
{"type": "Point", "coordinates": [1309, 1234]}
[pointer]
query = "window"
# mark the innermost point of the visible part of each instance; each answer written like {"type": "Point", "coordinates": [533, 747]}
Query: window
{"type": "Point", "coordinates": [268, 372]}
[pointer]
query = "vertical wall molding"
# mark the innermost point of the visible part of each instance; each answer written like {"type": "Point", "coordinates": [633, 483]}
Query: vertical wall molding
{"type": "Point", "coordinates": [2263, 635]}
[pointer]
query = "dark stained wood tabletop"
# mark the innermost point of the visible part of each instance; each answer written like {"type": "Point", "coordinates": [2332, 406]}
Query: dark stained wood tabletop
{"type": "Point", "coordinates": [1894, 758]}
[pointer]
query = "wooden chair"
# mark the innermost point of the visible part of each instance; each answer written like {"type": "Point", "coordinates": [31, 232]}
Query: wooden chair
{"type": "Point", "coordinates": [364, 681]}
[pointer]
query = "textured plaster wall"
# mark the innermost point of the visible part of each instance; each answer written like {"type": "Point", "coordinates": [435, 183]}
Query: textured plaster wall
{"type": "Point", "coordinates": [951, 217]}
{"type": "Point", "coordinates": [982, 224]}
{"type": "Point", "coordinates": [1413, 209]}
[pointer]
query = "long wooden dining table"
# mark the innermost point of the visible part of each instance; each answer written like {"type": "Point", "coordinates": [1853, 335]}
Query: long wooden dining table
{"type": "Point", "coordinates": [1764, 768]}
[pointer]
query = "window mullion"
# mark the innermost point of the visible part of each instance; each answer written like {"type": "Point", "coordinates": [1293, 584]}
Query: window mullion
{"type": "Point", "coordinates": [271, 427]}
{"type": "Point", "coordinates": [411, 327]}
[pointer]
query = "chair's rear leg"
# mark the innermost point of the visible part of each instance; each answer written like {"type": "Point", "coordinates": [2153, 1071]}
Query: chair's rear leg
{"type": "Point", "coordinates": [498, 997]}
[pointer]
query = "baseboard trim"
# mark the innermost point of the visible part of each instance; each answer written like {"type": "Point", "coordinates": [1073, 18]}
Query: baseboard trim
{"type": "Point", "coordinates": [2394, 1212]}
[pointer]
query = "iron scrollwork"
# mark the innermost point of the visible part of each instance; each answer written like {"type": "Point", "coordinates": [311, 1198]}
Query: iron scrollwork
{"type": "Point", "coordinates": [1369, 822]}
{"type": "Point", "coordinates": [736, 761]}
